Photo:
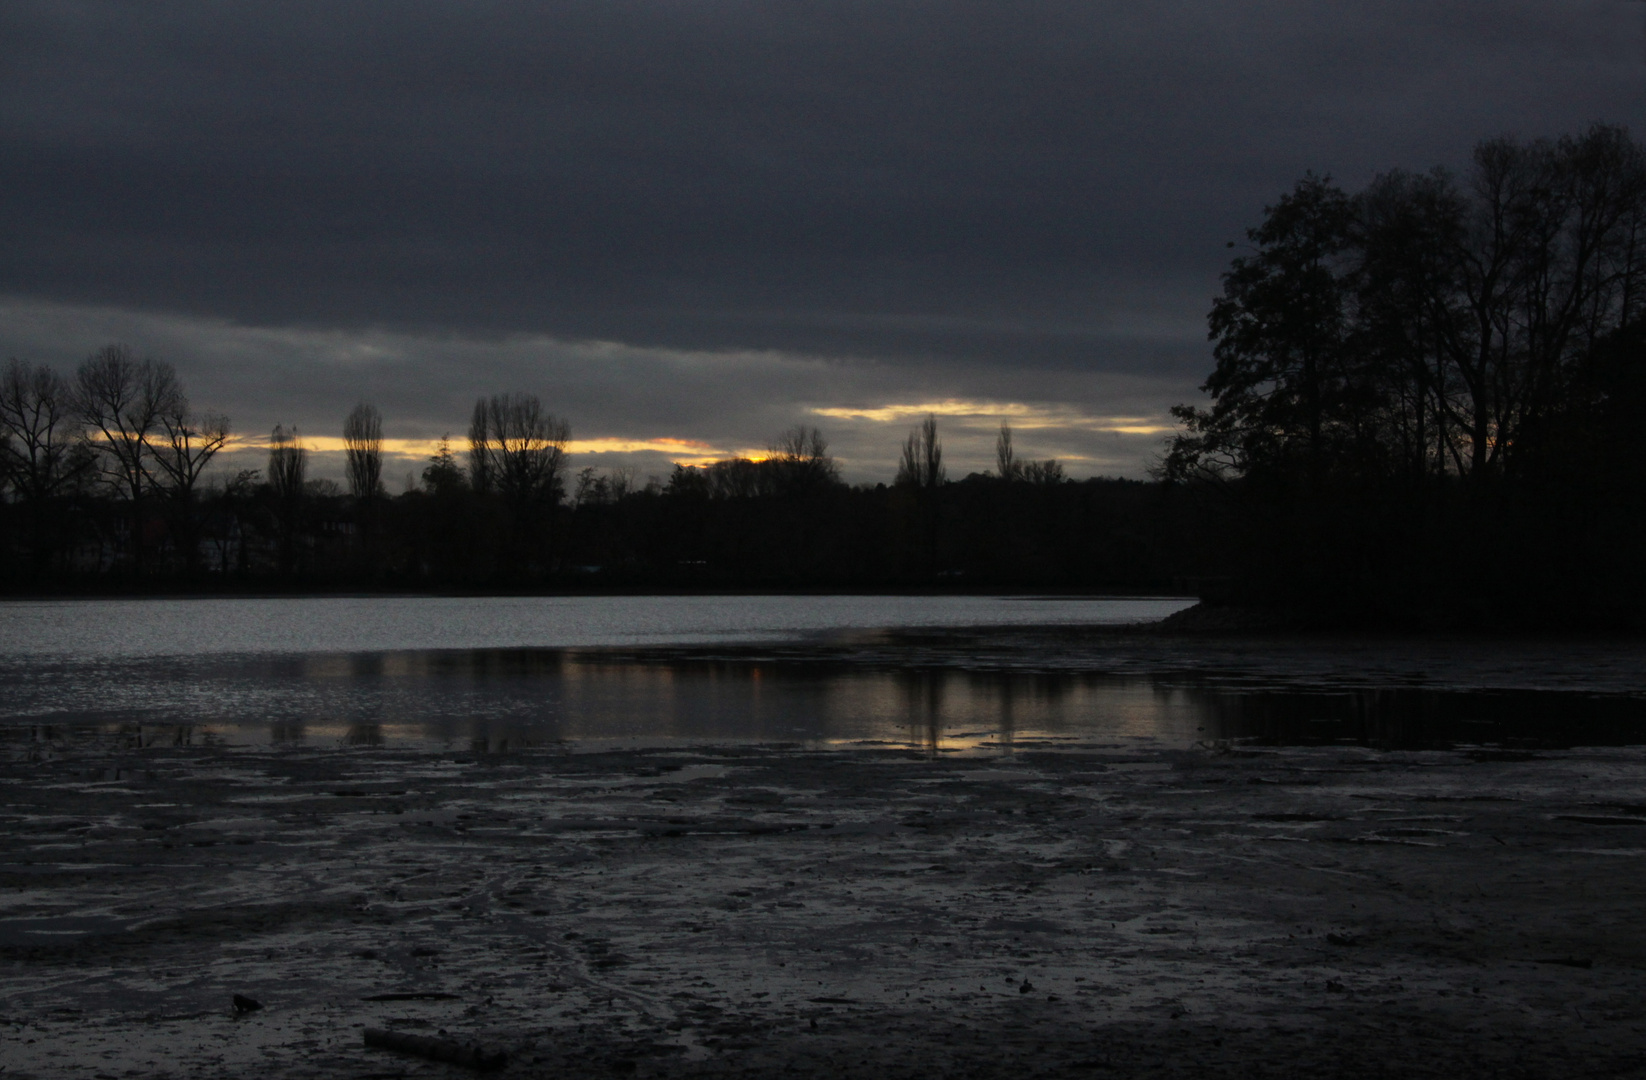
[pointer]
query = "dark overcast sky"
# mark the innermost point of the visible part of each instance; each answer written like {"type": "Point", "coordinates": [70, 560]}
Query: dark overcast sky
{"type": "Point", "coordinates": [706, 220]}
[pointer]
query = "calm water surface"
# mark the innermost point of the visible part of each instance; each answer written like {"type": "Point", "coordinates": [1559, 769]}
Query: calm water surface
{"type": "Point", "coordinates": [117, 629]}
{"type": "Point", "coordinates": [496, 674]}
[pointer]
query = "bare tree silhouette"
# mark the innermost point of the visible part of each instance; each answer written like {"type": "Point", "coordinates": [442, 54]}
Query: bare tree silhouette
{"type": "Point", "coordinates": [288, 463]}
{"type": "Point", "coordinates": [921, 469]}
{"type": "Point", "coordinates": [621, 481]}
{"type": "Point", "coordinates": [43, 452]}
{"type": "Point", "coordinates": [363, 448]}
{"type": "Point", "coordinates": [288, 467]}
{"type": "Point", "coordinates": [189, 444]}
{"type": "Point", "coordinates": [801, 461]}
{"type": "Point", "coordinates": [39, 435]}
{"type": "Point", "coordinates": [121, 400]}
{"type": "Point", "coordinates": [922, 461]}
{"type": "Point", "coordinates": [1422, 326]}
{"type": "Point", "coordinates": [183, 447]}
{"type": "Point", "coordinates": [517, 448]}
{"type": "Point", "coordinates": [480, 458]}
{"type": "Point", "coordinates": [1049, 471]}
{"type": "Point", "coordinates": [1007, 466]}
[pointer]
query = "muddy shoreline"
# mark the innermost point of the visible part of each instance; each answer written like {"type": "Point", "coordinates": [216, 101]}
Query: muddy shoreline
{"type": "Point", "coordinates": [1114, 910]}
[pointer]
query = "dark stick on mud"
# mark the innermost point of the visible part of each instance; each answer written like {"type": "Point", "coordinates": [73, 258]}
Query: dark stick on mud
{"type": "Point", "coordinates": [470, 1055]}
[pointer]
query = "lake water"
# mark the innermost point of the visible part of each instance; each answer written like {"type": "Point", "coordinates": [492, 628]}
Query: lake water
{"type": "Point", "coordinates": [125, 629]}
{"type": "Point", "coordinates": [946, 675]}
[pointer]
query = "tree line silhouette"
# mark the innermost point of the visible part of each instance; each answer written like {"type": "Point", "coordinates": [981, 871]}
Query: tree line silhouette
{"type": "Point", "coordinates": [1423, 411]}
{"type": "Point", "coordinates": [104, 488]}
{"type": "Point", "coordinates": [1426, 395]}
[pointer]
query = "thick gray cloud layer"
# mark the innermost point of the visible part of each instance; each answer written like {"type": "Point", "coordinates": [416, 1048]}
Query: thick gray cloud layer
{"type": "Point", "coordinates": [1028, 201]}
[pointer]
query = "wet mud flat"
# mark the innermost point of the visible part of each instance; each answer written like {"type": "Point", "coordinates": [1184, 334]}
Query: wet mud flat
{"type": "Point", "coordinates": [1101, 910]}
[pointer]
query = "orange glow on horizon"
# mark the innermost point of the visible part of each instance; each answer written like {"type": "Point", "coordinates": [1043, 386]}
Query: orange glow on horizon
{"type": "Point", "coordinates": [685, 451]}
{"type": "Point", "coordinates": [971, 420]}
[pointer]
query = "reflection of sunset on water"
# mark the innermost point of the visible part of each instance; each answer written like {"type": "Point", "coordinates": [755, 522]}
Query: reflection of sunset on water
{"type": "Point", "coordinates": [496, 700]}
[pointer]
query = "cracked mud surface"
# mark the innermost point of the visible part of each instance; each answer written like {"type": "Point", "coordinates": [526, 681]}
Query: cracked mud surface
{"type": "Point", "coordinates": [747, 911]}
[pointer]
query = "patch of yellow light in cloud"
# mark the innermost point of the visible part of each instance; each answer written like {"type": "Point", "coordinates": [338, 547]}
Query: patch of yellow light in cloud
{"type": "Point", "coordinates": [1019, 414]}
{"type": "Point", "coordinates": [629, 446]}
{"type": "Point", "coordinates": [951, 407]}
{"type": "Point", "coordinates": [328, 444]}
{"type": "Point", "coordinates": [680, 451]}
{"type": "Point", "coordinates": [1140, 429]}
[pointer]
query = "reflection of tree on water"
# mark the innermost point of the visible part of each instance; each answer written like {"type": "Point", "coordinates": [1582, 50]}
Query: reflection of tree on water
{"type": "Point", "coordinates": [41, 741]}
{"type": "Point", "coordinates": [287, 732]}
{"type": "Point", "coordinates": [1419, 717]}
{"type": "Point", "coordinates": [489, 665]}
{"type": "Point", "coordinates": [139, 736]}
{"type": "Point", "coordinates": [989, 703]}
{"type": "Point", "coordinates": [366, 727]}
{"type": "Point", "coordinates": [1006, 722]}
{"type": "Point", "coordinates": [363, 735]}
{"type": "Point", "coordinates": [367, 665]}
{"type": "Point", "coordinates": [1388, 717]}
{"type": "Point", "coordinates": [500, 739]}
{"type": "Point", "coordinates": [923, 705]}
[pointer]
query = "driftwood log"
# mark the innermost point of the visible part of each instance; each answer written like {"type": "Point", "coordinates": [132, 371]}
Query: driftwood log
{"type": "Point", "coordinates": [472, 1055]}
